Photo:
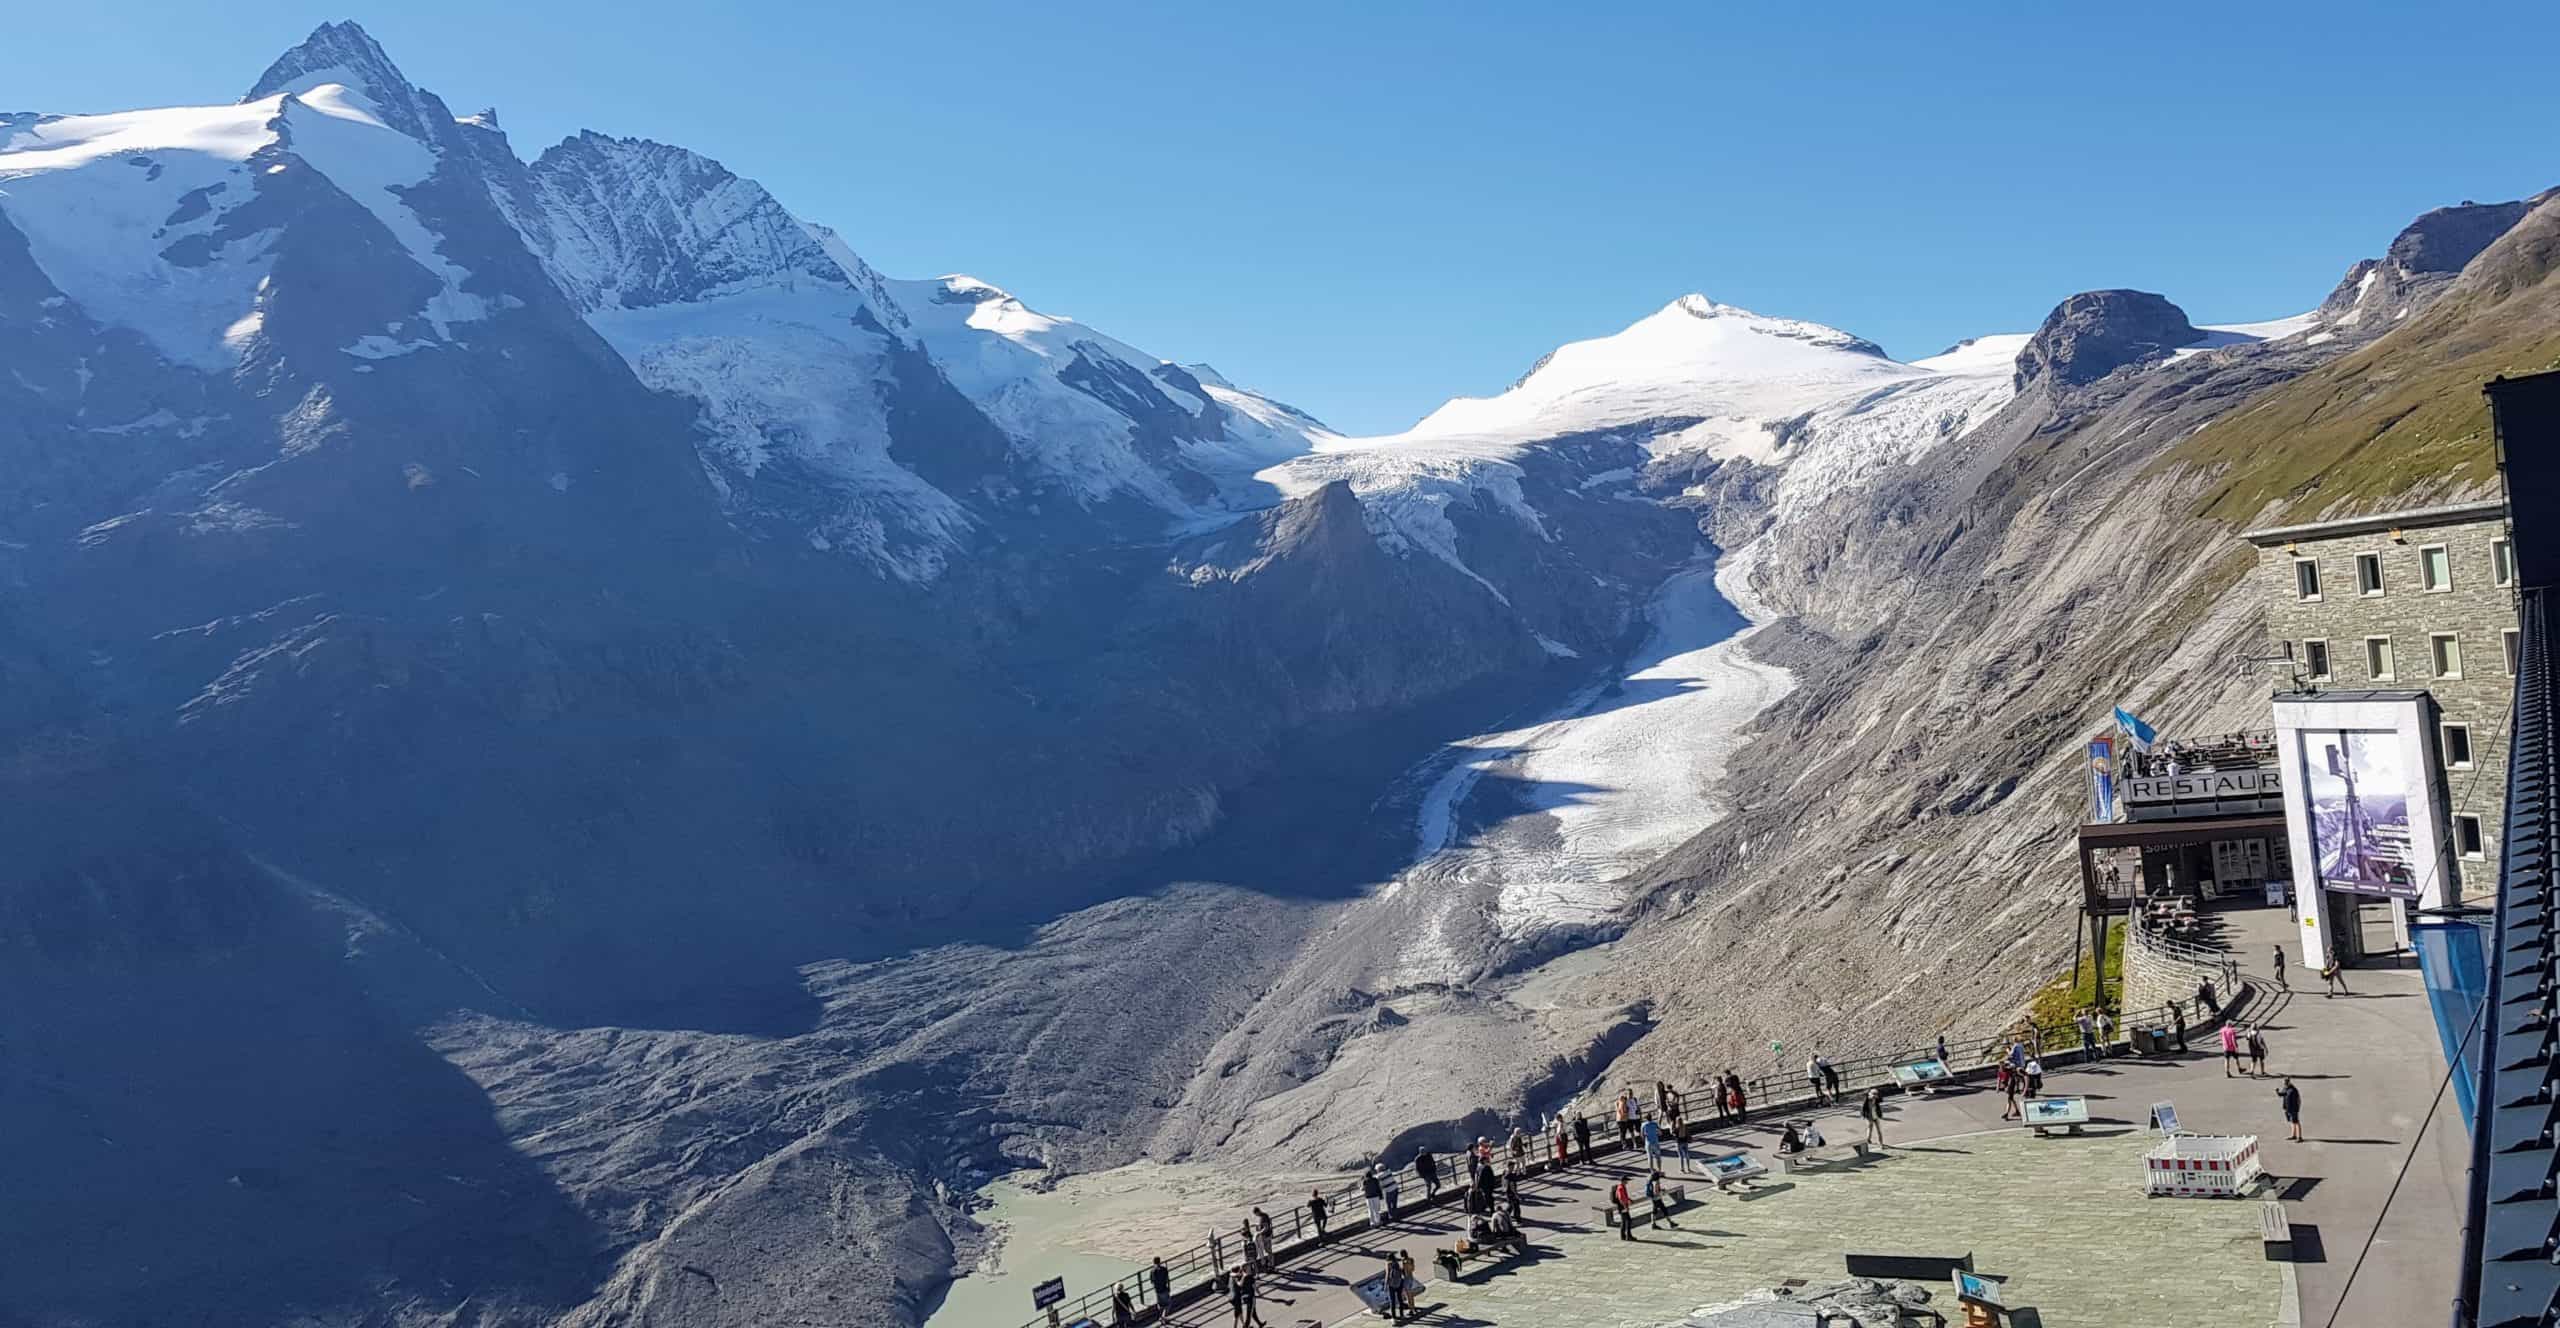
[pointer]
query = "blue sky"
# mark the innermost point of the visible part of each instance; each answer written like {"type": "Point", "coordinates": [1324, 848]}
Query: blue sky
{"type": "Point", "coordinates": [1364, 209]}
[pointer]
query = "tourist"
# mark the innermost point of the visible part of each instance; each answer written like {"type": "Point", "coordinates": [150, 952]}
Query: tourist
{"type": "Point", "coordinates": [1872, 1108]}
{"type": "Point", "coordinates": [1813, 1136]}
{"type": "Point", "coordinates": [1652, 1130]}
{"type": "Point", "coordinates": [2257, 1050]}
{"type": "Point", "coordinates": [1247, 1313]}
{"type": "Point", "coordinates": [2088, 1034]}
{"type": "Point", "coordinates": [1813, 1077]}
{"type": "Point", "coordinates": [1665, 1102]}
{"type": "Point", "coordinates": [1627, 1114]}
{"type": "Point", "coordinates": [1245, 1229]}
{"type": "Point", "coordinates": [1428, 1168]}
{"type": "Point", "coordinates": [2008, 1090]}
{"type": "Point", "coordinates": [2279, 963]}
{"type": "Point", "coordinates": [2290, 1098]}
{"type": "Point", "coordinates": [2035, 1078]}
{"type": "Point", "coordinates": [1511, 1195]}
{"type": "Point", "coordinates": [1733, 1095]}
{"type": "Point", "coordinates": [1625, 1204]}
{"type": "Point", "coordinates": [2106, 1030]}
{"type": "Point", "coordinates": [1375, 1193]}
{"type": "Point", "coordinates": [1393, 1181]}
{"type": "Point", "coordinates": [1124, 1312]}
{"type": "Point", "coordinates": [1582, 1136]}
{"type": "Point", "coordinates": [2230, 1050]}
{"type": "Point", "coordinates": [1560, 1142]}
{"type": "Point", "coordinates": [1408, 1284]}
{"type": "Point", "coordinates": [2017, 1057]}
{"type": "Point", "coordinates": [1790, 1141]}
{"type": "Point", "coordinates": [1680, 1143]}
{"type": "Point", "coordinates": [2208, 1004]}
{"type": "Point", "coordinates": [2178, 1025]}
{"type": "Point", "coordinates": [1262, 1240]}
{"type": "Point", "coordinates": [1653, 1191]}
{"type": "Point", "coordinates": [2335, 978]}
{"type": "Point", "coordinates": [1217, 1250]}
{"type": "Point", "coordinates": [1315, 1211]}
{"type": "Point", "coordinates": [1830, 1077]}
{"type": "Point", "coordinates": [1161, 1278]}
{"type": "Point", "coordinates": [1519, 1149]}
{"type": "Point", "coordinates": [1942, 1052]}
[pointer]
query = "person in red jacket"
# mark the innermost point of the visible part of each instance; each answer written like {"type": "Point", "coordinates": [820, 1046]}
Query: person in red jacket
{"type": "Point", "coordinates": [1626, 1205]}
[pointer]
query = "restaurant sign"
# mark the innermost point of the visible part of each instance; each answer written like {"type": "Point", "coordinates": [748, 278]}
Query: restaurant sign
{"type": "Point", "coordinates": [2205, 793]}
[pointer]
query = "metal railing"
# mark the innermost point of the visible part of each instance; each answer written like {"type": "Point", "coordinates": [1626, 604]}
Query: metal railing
{"type": "Point", "coordinates": [1195, 1270]}
{"type": "Point", "coordinates": [2220, 965]}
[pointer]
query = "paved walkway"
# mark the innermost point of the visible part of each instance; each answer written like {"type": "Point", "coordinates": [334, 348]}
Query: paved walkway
{"type": "Point", "coordinates": [2064, 1217]}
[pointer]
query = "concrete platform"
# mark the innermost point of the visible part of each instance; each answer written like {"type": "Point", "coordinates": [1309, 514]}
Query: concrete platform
{"type": "Point", "coordinates": [2064, 1218]}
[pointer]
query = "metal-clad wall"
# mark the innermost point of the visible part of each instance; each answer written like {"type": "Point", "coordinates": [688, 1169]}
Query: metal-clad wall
{"type": "Point", "coordinates": [2509, 1276]}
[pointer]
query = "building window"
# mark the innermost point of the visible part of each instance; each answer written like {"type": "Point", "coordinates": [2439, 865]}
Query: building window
{"type": "Point", "coordinates": [2447, 648]}
{"type": "Point", "coordinates": [2502, 562]}
{"type": "Point", "coordinates": [2377, 658]}
{"type": "Point", "coordinates": [2315, 660]}
{"type": "Point", "coordinates": [2368, 574]}
{"type": "Point", "coordinates": [2306, 578]}
{"type": "Point", "coordinates": [2457, 746]}
{"type": "Point", "coordinates": [2508, 638]}
{"type": "Point", "coordinates": [2435, 568]}
{"type": "Point", "coordinates": [2466, 836]}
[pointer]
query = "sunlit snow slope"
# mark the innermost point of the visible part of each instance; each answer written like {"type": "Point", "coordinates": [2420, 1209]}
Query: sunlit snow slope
{"type": "Point", "coordinates": [1817, 404]}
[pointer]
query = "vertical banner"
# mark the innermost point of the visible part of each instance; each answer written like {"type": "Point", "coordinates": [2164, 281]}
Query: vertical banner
{"type": "Point", "coordinates": [2102, 780]}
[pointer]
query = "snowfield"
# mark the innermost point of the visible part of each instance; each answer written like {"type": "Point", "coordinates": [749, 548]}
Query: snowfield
{"type": "Point", "coordinates": [122, 211]}
{"type": "Point", "coordinates": [1822, 407]}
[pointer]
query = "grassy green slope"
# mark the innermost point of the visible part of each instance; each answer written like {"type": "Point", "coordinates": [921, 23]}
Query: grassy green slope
{"type": "Point", "coordinates": [2402, 419]}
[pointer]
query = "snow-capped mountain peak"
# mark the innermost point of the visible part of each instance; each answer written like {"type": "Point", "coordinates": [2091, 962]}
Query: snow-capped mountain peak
{"type": "Point", "coordinates": [626, 223]}
{"type": "Point", "coordinates": [1693, 359]}
{"type": "Point", "coordinates": [1699, 306]}
{"type": "Point", "coordinates": [347, 56]}
{"type": "Point", "coordinates": [168, 221]}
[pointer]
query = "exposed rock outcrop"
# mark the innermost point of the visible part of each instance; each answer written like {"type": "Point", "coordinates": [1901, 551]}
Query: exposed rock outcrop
{"type": "Point", "coordinates": [2095, 333]}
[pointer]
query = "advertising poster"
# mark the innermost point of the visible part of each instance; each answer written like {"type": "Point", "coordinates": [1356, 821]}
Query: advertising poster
{"type": "Point", "coordinates": [2361, 783]}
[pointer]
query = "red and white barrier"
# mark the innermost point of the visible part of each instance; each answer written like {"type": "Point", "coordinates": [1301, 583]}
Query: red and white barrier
{"type": "Point", "coordinates": [2202, 1166]}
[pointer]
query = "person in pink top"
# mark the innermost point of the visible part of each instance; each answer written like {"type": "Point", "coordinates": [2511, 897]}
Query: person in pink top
{"type": "Point", "coordinates": [2230, 1049]}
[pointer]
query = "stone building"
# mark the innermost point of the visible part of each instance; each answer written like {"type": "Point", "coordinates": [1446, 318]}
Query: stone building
{"type": "Point", "coordinates": [2421, 599]}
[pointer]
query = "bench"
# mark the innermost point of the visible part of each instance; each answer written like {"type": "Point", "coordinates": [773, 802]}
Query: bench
{"type": "Point", "coordinates": [2276, 1230]}
{"type": "Point", "coordinates": [1452, 1259]}
{"type": "Point", "coordinates": [1674, 1198]}
{"type": "Point", "coordinates": [1908, 1267]}
{"type": "Point", "coordinates": [2047, 1114]}
{"type": "Point", "coordinates": [1829, 1155]}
